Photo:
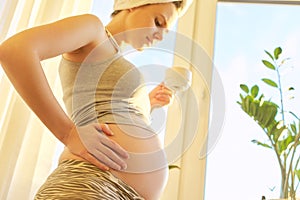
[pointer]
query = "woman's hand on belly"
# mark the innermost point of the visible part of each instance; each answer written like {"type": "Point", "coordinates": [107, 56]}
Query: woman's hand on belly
{"type": "Point", "coordinates": [98, 145]}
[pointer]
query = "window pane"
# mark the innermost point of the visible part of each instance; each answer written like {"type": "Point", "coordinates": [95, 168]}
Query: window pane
{"type": "Point", "coordinates": [237, 168]}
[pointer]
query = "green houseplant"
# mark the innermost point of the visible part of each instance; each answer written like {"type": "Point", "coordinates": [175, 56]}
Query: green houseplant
{"type": "Point", "coordinates": [282, 134]}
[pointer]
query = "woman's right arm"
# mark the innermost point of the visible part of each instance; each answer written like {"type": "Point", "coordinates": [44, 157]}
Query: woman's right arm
{"type": "Point", "coordinates": [20, 58]}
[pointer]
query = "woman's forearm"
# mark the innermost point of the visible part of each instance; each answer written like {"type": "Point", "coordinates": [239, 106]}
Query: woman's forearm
{"type": "Point", "coordinates": [23, 68]}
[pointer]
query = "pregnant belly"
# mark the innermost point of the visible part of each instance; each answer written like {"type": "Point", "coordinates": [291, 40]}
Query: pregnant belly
{"type": "Point", "coordinates": [146, 168]}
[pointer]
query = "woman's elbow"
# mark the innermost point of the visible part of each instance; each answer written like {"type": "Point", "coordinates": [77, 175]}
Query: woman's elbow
{"type": "Point", "coordinates": [9, 56]}
{"type": "Point", "coordinates": [10, 52]}
{"type": "Point", "coordinates": [5, 53]}
{"type": "Point", "coordinates": [4, 58]}
{"type": "Point", "coordinates": [1, 53]}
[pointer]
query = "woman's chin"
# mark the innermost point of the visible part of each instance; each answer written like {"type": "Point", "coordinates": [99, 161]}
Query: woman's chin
{"type": "Point", "coordinates": [140, 48]}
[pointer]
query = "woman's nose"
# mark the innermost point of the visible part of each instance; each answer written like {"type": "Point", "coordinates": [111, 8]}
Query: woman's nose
{"type": "Point", "coordinates": [158, 35]}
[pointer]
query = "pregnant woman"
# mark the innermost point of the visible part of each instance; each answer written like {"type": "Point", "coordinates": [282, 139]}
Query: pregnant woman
{"type": "Point", "coordinates": [110, 150]}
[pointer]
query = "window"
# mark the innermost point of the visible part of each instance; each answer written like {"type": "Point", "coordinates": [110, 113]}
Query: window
{"type": "Point", "coordinates": [237, 168]}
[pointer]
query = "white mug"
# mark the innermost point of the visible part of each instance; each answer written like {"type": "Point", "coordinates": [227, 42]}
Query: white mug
{"type": "Point", "coordinates": [178, 79]}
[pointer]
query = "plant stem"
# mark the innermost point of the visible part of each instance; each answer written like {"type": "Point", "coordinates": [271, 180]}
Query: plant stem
{"type": "Point", "coordinates": [293, 188]}
{"type": "Point", "coordinates": [283, 190]}
{"type": "Point", "coordinates": [280, 92]}
{"type": "Point", "coordinates": [285, 177]}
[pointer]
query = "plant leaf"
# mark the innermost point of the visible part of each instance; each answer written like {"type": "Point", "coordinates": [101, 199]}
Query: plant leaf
{"type": "Point", "coordinates": [277, 133]}
{"type": "Point", "coordinates": [265, 115]}
{"type": "Point", "coordinates": [293, 127]}
{"type": "Point", "coordinates": [254, 106]}
{"type": "Point", "coordinates": [295, 116]}
{"type": "Point", "coordinates": [174, 167]}
{"type": "Point", "coordinates": [271, 112]}
{"type": "Point", "coordinates": [244, 88]}
{"type": "Point", "coordinates": [283, 144]}
{"type": "Point", "coordinates": [254, 91]}
{"type": "Point", "coordinates": [241, 96]}
{"type": "Point", "coordinates": [297, 172]}
{"type": "Point", "coordinates": [268, 64]}
{"type": "Point", "coordinates": [261, 98]}
{"type": "Point", "coordinates": [269, 55]}
{"type": "Point", "coordinates": [291, 88]}
{"type": "Point", "coordinates": [261, 144]}
{"type": "Point", "coordinates": [269, 82]}
{"type": "Point", "coordinates": [277, 52]}
{"type": "Point", "coordinates": [246, 103]}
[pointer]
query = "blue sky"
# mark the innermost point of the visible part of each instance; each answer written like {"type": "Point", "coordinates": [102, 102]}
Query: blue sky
{"type": "Point", "coordinates": [238, 169]}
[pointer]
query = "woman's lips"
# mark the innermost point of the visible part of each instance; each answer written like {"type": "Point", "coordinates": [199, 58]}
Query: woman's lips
{"type": "Point", "coordinates": [149, 41]}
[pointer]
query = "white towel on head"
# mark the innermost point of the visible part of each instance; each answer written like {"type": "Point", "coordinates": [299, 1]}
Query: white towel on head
{"type": "Point", "coordinates": [127, 4]}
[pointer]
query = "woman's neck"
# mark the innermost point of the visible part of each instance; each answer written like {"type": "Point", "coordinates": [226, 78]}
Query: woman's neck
{"type": "Point", "coordinates": [116, 27]}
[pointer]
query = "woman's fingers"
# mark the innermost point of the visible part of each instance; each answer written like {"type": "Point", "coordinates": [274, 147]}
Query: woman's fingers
{"type": "Point", "coordinates": [90, 158]}
{"type": "Point", "coordinates": [161, 95]}
{"type": "Point", "coordinates": [108, 151]}
{"type": "Point", "coordinates": [109, 158]}
{"type": "Point", "coordinates": [75, 145]}
{"type": "Point", "coordinates": [111, 149]}
{"type": "Point", "coordinates": [114, 147]}
{"type": "Point", "coordinates": [104, 128]}
{"type": "Point", "coordinates": [91, 144]}
{"type": "Point", "coordinates": [164, 95]}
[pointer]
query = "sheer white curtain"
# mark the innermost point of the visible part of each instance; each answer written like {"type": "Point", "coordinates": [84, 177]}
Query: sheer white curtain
{"type": "Point", "coordinates": [27, 149]}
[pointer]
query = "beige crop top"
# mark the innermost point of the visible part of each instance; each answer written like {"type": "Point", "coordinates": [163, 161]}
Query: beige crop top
{"type": "Point", "coordinates": [111, 91]}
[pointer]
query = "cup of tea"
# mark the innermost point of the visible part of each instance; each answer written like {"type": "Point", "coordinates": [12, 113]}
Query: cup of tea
{"type": "Point", "coordinates": [178, 78]}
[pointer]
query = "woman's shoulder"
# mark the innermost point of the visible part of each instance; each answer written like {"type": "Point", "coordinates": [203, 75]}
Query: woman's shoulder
{"type": "Point", "coordinates": [89, 27]}
{"type": "Point", "coordinates": [88, 19]}
{"type": "Point", "coordinates": [88, 23]}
